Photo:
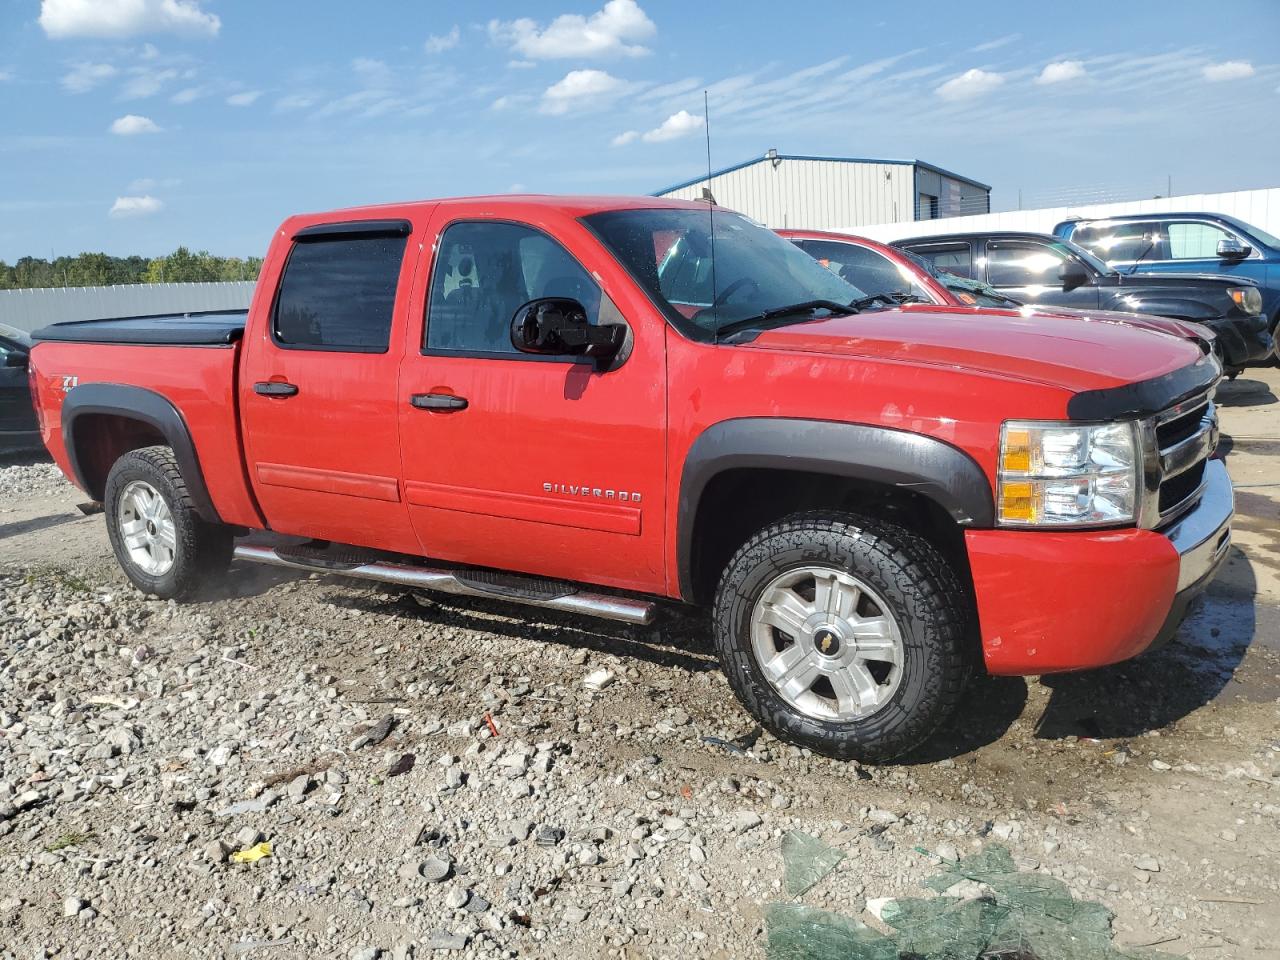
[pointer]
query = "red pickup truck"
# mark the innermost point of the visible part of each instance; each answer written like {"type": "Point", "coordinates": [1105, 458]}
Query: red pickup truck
{"type": "Point", "coordinates": [590, 404]}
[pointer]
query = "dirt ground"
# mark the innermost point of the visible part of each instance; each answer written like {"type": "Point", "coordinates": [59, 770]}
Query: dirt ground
{"type": "Point", "coordinates": [1152, 786]}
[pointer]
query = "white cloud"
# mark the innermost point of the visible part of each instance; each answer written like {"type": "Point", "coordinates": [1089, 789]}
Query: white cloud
{"type": "Point", "coordinates": [439, 43]}
{"type": "Point", "coordinates": [125, 18]}
{"type": "Point", "coordinates": [521, 64]}
{"type": "Point", "coordinates": [675, 126]}
{"type": "Point", "coordinates": [85, 76]}
{"type": "Point", "coordinates": [581, 90]}
{"type": "Point", "coordinates": [371, 71]}
{"type": "Point", "coordinates": [609, 32]}
{"type": "Point", "coordinates": [190, 94]}
{"type": "Point", "coordinates": [135, 206]}
{"type": "Point", "coordinates": [1228, 70]}
{"type": "Point", "coordinates": [1061, 71]}
{"type": "Point", "coordinates": [145, 82]}
{"type": "Point", "coordinates": [295, 101]}
{"type": "Point", "coordinates": [5, 74]}
{"type": "Point", "coordinates": [971, 83]}
{"type": "Point", "coordinates": [622, 139]}
{"type": "Point", "coordinates": [996, 43]}
{"type": "Point", "coordinates": [243, 99]}
{"type": "Point", "coordinates": [131, 124]}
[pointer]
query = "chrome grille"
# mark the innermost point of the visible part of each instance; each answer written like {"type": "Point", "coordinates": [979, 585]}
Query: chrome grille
{"type": "Point", "coordinates": [1177, 444]}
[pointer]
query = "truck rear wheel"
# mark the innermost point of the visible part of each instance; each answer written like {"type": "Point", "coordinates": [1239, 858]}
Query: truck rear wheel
{"type": "Point", "coordinates": [843, 635]}
{"type": "Point", "coordinates": [161, 542]}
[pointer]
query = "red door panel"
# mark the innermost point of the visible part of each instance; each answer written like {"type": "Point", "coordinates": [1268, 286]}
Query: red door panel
{"type": "Point", "coordinates": [325, 460]}
{"type": "Point", "coordinates": [552, 467]}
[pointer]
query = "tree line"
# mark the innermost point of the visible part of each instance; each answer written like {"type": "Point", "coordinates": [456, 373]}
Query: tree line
{"type": "Point", "coordinates": [100, 270]}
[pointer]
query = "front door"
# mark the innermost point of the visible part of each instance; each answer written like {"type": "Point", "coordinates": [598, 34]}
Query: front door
{"type": "Point", "coordinates": [319, 390]}
{"type": "Point", "coordinates": [1032, 272]}
{"type": "Point", "coordinates": [544, 465]}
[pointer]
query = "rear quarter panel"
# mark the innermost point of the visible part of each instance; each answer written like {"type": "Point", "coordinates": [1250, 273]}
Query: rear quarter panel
{"type": "Point", "coordinates": [198, 381]}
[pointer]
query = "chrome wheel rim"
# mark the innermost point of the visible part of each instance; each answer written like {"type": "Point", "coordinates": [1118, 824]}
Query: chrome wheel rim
{"type": "Point", "coordinates": [147, 528]}
{"type": "Point", "coordinates": [827, 643]}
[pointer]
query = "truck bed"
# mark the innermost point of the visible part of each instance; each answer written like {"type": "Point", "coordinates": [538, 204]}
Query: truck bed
{"type": "Point", "coordinates": [212, 328]}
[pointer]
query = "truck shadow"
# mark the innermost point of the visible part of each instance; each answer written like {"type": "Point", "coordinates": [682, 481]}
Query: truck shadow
{"type": "Point", "coordinates": [1160, 688]}
{"type": "Point", "coordinates": [988, 709]}
{"type": "Point", "coordinates": [674, 640]}
{"type": "Point", "coordinates": [1242, 392]}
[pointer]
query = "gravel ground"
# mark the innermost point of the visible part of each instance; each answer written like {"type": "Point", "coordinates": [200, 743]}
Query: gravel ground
{"type": "Point", "coordinates": [440, 776]}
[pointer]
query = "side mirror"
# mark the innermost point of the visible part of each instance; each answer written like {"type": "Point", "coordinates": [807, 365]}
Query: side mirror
{"type": "Point", "coordinates": [1233, 249]}
{"type": "Point", "coordinates": [558, 327]}
{"type": "Point", "coordinates": [15, 359]}
{"type": "Point", "coordinates": [1074, 274]}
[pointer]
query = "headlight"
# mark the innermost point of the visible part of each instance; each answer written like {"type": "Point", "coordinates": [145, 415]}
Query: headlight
{"type": "Point", "coordinates": [1064, 475]}
{"type": "Point", "coordinates": [1248, 299]}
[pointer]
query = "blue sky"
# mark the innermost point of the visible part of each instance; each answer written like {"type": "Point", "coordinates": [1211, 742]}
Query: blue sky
{"type": "Point", "coordinates": [132, 126]}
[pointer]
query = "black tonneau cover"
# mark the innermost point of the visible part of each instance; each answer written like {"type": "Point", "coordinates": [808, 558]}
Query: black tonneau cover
{"type": "Point", "coordinates": [213, 328]}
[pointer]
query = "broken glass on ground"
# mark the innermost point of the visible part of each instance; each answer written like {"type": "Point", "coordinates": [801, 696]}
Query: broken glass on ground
{"type": "Point", "coordinates": [805, 861]}
{"type": "Point", "coordinates": [1001, 913]}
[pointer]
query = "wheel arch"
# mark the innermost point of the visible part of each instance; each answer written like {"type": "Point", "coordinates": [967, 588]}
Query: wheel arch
{"type": "Point", "coordinates": [797, 464]}
{"type": "Point", "coordinates": [103, 421]}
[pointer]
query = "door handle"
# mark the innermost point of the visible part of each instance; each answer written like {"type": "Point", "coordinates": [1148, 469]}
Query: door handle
{"type": "Point", "coordinates": [275, 388]}
{"type": "Point", "coordinates": [438, 401]}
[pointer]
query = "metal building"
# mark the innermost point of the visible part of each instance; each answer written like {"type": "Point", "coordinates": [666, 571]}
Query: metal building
{"type": "Point", "coordinates": [31, 308]}
{"type": "Point", "coordinates": [781, 190]}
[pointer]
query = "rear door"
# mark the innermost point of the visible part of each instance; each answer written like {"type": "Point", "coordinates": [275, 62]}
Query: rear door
{"type": "Point", "coordinates": [318, 395]}
{"type": "Point", "coordinates": [1031, 271]}
{"type": "Point", "coordinates": [537, 464]}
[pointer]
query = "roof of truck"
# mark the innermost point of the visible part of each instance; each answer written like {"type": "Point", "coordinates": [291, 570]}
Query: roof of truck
{"type": "Point", "coordinates": [573, 205]}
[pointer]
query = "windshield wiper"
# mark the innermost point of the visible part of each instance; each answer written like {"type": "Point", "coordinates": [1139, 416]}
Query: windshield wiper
{"type": "Point", "coordinates": [889, 299]}
{"type": "Point", "coordinates": [807, 306]}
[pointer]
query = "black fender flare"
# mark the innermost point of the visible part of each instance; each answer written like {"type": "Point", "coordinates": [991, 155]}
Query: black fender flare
{"type": "Point", "coordinates": [146, 406]}
{"type": "Point", "coordinates": [912, 461]}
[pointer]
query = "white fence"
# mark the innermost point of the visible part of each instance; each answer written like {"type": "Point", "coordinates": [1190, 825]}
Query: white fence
{"type": "Point", "coordinates": [30, 309]}
{"type": "Point", "coordinates": [1261, 208]}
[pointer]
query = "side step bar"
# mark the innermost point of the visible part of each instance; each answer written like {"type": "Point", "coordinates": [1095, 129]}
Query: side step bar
{"type": "Point", "coordinates": [538, 593]}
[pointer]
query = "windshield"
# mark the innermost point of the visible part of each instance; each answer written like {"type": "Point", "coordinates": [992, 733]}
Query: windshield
{"type": "Point", "coordinates": [972, 292]}
{"type": "Point", "coordinates": [1248, 229]}
{"type": "Point", "coordinates": [668, 252]}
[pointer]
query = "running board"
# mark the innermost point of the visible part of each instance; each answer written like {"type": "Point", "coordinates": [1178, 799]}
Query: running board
{"type": "Point", "coordinates": [548, 594]}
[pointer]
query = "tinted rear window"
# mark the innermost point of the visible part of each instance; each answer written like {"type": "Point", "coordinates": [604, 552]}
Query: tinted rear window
{"type": "Point", "coordinates": [339, 294]}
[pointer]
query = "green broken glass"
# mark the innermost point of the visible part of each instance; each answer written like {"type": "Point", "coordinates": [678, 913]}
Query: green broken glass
{"type": "Point", "coordinates": [1018, 916]}
{"type": "Point", "coordinates": [797, 932]}
{"type": "Point", "coordinates": [805, 861]}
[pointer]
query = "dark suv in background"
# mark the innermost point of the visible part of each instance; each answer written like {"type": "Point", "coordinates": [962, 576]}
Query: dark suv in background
{"type": "Point", "coordinates": [1185, 243]}
{"type": "Point", "coordinates": [1037, 268]}
{"type": "Point", "coordinates": [18, 427]}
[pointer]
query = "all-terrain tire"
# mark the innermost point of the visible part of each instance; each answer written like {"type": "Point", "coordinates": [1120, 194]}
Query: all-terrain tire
{"type": "Point", "coordinates": [202, 550]}
{"type": "Point", "coordinates": [912, 579]}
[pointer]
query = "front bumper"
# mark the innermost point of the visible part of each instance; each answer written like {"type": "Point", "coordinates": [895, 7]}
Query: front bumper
{"type": "Point", "coordinates": [1242, 340]}
{"type": "Point", "coordinates": [1050, 602]}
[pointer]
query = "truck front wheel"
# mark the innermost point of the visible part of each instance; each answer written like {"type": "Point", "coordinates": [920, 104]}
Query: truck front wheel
{"type": "Point", "coordinates": [843, 634]}
{"type": "Point", "coordinates": [163, 545]}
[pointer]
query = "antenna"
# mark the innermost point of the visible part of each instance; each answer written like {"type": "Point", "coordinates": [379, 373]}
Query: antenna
{"type": "Point", "coordinates": [711, 212]}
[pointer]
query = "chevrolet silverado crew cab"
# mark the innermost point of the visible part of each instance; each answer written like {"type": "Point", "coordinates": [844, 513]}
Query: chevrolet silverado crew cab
{"type": "Point", "coordinates": [591, 404]}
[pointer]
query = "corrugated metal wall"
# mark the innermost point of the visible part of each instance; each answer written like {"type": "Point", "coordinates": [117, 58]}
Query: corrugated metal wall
{"type": "Point", "coordinates": [1258, 207]}
{"type": "Point", "coordinates": [31, 309]}
{"type": "Point", "coordinates": [819, 194]}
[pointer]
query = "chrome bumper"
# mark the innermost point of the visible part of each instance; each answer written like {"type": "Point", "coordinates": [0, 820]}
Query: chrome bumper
{"type": "Point", "coordinates": [1203, 536]}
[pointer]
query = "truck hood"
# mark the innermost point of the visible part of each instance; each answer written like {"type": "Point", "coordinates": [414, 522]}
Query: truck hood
{"type": "Point", "coordinates": [1077, 351]}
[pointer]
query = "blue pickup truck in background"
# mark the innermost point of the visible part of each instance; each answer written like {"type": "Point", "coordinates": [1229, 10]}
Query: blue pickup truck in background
{"type": "Point", "coordinates": [1184, 243]}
